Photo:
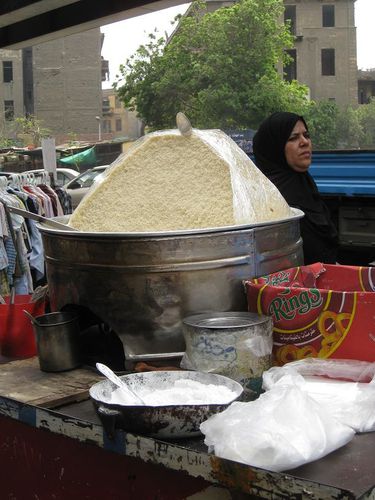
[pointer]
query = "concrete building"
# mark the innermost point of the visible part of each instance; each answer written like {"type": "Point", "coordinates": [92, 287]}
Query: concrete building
{"type": "Point", "coordinates": [366, 85]}
{"type": "Point", "coordinates": [58, 81]}
{"type": "Point", "coordinates": [11, 88]}
{"type": "Point", "coordinates": [118, 121]}
{"type": "Point", "coordinates": [324, 57]}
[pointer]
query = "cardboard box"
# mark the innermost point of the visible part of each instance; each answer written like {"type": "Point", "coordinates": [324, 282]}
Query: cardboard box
{"type": "Point", "coordinates": [320, 310]}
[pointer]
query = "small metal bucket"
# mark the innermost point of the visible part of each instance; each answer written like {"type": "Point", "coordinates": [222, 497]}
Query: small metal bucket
{"type": "Point", "coordinates": [57, 338]}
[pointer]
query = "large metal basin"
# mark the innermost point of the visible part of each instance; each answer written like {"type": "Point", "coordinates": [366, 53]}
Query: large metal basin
{"type": "Point", "coordinates": [143, 284]}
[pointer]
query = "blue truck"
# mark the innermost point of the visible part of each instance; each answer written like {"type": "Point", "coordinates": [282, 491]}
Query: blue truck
{"type": "Point", "coordinates": [346, 180]}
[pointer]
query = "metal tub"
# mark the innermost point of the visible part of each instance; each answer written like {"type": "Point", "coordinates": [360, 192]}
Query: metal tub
{"type": "Point", "coordinates": [143, 284]}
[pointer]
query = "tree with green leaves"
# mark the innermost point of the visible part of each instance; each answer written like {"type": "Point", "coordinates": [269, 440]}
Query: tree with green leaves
{"type": "Point", "coordinates": [366, 117]}
{"type": "Point", "coordinates": [29, 128]}
{"type": "Point", "coordinates": [350, 131]}
{"type": "Point", "coordinates": [321, 118]}
{"type": "Point", "coordinates": [219, 68]}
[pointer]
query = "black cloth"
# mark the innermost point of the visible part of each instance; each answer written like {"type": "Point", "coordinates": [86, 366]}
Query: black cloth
{"type": "Point", "coordinates": [319, 234]}
{"type": "Point", "coordinates": [65, 200]}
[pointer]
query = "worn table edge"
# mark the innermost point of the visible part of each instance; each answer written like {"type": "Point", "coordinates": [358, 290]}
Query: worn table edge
{"type": "Point", "coordinates": [227, 473]}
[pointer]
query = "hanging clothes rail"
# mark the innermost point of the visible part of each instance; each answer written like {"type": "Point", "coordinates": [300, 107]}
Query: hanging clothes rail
{"type": "Point", "coordinates": [22, 265]}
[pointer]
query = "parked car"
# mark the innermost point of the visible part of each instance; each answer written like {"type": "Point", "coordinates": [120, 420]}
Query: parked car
{"type": "Point", "coordinates": [78, 187]}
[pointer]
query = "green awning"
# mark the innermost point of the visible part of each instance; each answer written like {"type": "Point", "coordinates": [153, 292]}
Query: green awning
{"type": "Point", "coordinates": [87, 157]}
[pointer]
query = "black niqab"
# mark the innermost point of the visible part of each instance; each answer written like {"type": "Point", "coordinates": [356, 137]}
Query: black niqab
{"type": "Point", "coordinates": [298, 188]}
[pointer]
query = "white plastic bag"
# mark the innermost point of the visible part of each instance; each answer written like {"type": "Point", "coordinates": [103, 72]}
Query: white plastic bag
{"type": "Point", "coordinates": [338, 369]}
{"type": "Point", "coordinates": [351, 401]}
{"type": "Point", "coordinates": [283, 429]}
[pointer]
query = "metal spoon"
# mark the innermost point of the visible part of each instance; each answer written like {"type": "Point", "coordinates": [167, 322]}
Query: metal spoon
{"type": "Point", "coordinates": [40, 218]}
{"type": "Point", "coordinates": [107, 372]}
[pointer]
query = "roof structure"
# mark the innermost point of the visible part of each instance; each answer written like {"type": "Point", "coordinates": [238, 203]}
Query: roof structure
{"type": "Point", "coordinates": [26, 22]}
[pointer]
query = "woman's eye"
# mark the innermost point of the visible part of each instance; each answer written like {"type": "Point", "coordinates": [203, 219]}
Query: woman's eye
{"type": "Point", "coordinates": [296, 137]}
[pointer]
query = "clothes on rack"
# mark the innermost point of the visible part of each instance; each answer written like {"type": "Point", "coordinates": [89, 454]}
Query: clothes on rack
{"type": "Point", "coordinates": [21, 249]}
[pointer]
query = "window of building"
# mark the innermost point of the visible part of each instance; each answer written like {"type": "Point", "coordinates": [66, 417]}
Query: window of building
{"type": "Point", "coordinates": [290, 69]}
{"type": "Point", "coordinates": [107, 126]}
{"type": "Point", "coordinates": [106, 105]}
{"type": "Point", "coordinates": [328, 62]}
{"type": "Point", "coordinates": [118, 125]}
{"type": "Point", "coordinates": [290, 15]}
{"type": "Point", "coordinates": [328, 14]}
{"type": "Point", "coordinates": [7, 71]}
{"type": "Point", "coordinates": [9, 110]}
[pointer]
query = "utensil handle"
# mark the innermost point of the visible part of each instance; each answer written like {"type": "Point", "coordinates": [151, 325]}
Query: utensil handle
{"type": "Point", "coordinates": [39, 218]}
{"type": "Point", "coordinates": [111, 375]}
{"type": "Point", "coordinates": [12, 295]}
{"type": "Point", "coordinates": [30, 316]}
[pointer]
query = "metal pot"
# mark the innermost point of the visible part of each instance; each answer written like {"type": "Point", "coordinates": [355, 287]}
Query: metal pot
{"type": "Point", "coordinates": [143, 284]}
{"type": "Point", "coordinates": [234, 344]}
{"type": "Point", "coordinates": [172, 421]}
{"type": "Point", "coordinates": [57, 339]}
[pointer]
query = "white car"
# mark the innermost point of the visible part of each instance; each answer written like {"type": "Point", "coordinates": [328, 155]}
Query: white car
{"type": "Point", "coordinates": [78, 187]}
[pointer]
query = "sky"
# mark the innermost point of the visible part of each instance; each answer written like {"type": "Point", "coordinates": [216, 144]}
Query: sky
{"type": "Point", "coordinates": [123, 38]}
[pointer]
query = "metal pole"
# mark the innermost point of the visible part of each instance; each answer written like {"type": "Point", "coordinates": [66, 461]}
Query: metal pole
{"type": "Point", "coordinates": [99, 127]}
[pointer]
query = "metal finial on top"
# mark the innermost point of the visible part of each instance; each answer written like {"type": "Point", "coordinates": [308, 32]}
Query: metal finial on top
{"type": "Point", "coordinates": [183, 124]}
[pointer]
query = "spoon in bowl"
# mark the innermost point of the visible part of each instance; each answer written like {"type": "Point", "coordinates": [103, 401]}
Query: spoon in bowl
{"type": "Point", "coordinates": [107, 372]}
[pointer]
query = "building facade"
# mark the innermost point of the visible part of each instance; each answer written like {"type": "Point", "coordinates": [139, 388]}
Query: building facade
{"type": "Point", "coordinates": [366, 86]}
{"type": "Point", "coordinates": [324, 56]}
{"type": "Point", "coordinates": [11, 88]}
{"type": "Point", "coordinates": [118, 121]}
{"type": "Point", "coordinates": [59, 82]}
{"type": "Point", "coordinates": [325, 53]}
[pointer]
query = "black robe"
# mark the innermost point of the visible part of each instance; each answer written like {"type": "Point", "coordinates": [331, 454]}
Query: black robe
{"type": "Point", "coordinates": [319, 234]}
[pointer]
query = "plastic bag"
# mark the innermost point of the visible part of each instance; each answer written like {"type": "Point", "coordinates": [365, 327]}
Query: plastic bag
{"type": "Point", "coordinates": [339, 369]}
{"type": "Point", "coordinates": [211, 164]}
{"type": "Point", "coordinates": [326, 381]}
{"type": "Point", "coordinates": [283, 429]}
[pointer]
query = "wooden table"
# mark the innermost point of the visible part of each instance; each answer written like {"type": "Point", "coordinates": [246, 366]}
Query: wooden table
{"type": "Point", "coordinates": [24, 381]}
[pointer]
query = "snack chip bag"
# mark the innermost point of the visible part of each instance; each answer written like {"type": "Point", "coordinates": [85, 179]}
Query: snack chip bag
{"type": "Point", "coordinates": [321, 310]}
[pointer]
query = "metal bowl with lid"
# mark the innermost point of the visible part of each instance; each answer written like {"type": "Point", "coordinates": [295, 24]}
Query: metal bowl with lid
{"type": "Point", "coordinates": [235, 344]}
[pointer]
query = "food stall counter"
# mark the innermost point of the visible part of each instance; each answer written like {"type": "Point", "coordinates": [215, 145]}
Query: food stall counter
{"type": "Point", "coordinates": [53, 445]}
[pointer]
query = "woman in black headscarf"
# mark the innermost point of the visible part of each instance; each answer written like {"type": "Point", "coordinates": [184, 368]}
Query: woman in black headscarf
{"type": "Point", "coordinates": [282, 150]}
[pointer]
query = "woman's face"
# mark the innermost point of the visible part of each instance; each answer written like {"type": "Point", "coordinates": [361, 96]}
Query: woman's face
{"type": "Point", "coordinates": [298, 148]}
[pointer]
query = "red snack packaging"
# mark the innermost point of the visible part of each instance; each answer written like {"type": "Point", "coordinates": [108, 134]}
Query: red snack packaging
{"type": "Point", "coordinates": [320, 310]}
